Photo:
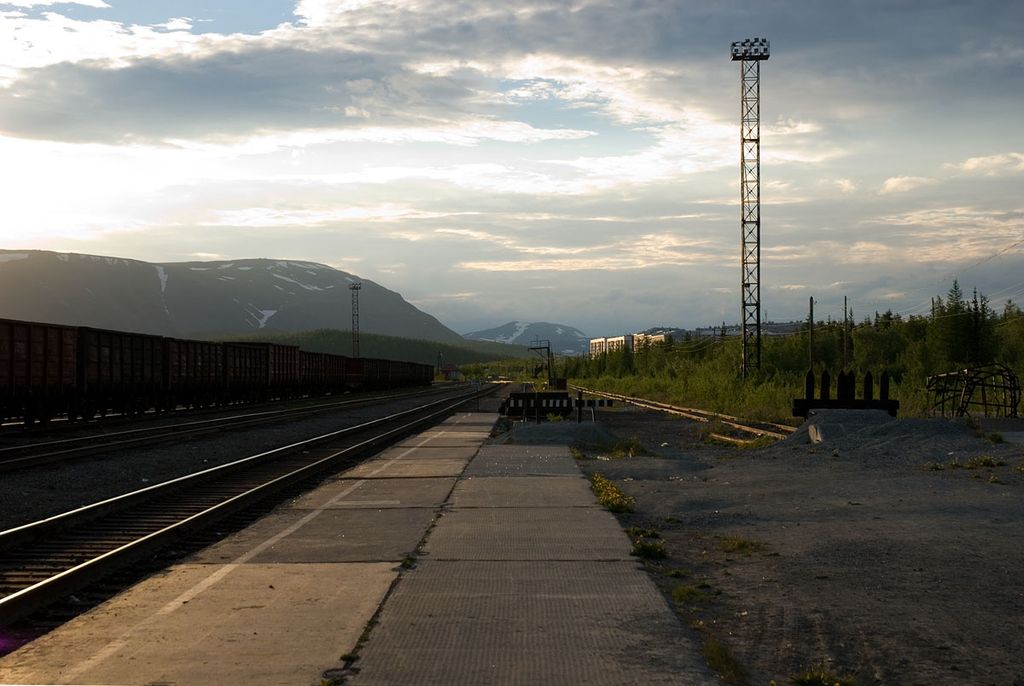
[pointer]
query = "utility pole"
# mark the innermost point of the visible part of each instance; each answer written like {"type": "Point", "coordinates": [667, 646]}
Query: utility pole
{"type": "Point", "coordinates": [354, 287]}
{"type": "Point", "coordinates": [844, 332]}
{"type": "Point", "coordinates": [749, 53]}
{"type": "Point", "coordinates": [810, 336]}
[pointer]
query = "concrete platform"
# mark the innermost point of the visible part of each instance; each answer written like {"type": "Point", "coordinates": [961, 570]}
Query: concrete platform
{"type": "Point", "coordinates": [212, 624]}
{"type": "Point", "coordinates": [527, 623]}
{"type": "Point", "coordinates": [277, 603]}
{"type": "Point", "coordinates": [526, 580]}
{"type": "Point", "coordinates": [522, 579]}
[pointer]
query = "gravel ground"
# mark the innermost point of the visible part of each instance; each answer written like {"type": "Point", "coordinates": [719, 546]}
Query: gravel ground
{"type": "Point", "coordinates": [31, 495]}
{"type": "Point", "coordinates": [847, 555]}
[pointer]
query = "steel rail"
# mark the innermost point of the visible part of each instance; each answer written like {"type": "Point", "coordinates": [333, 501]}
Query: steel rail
{"type": "Point", "coordinates": [778, 431]}
{"type": "Point", "coordinates": [46, 452]}
{"type": "Point", "coordinates": [47, 559]}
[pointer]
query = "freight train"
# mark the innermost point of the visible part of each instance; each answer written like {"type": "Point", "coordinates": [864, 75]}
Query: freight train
{"type": "Point", "coordinates": [50, 370]}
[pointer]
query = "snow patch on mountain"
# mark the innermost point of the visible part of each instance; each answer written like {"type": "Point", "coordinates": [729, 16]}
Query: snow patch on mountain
{"type": "Point", "coordinates": [564, 339]}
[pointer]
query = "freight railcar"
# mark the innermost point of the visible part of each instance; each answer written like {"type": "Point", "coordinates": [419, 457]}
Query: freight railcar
{"type": "Point", "coordinates": [118, 371]}
{"type": "Point", "coordinates": [193, 373]}
{"type": "Point", "coordinates": [37, 369]}
{"type": "Point", "coordinates": [321, 373]}
{"type": "Point", "coordinates": [48, 370]}
{"type": "Point", "coordinates": [259, 371]}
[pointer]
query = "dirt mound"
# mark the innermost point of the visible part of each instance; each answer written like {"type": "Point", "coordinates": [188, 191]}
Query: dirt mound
{"type": "Point", "coordinates": [872, 436]}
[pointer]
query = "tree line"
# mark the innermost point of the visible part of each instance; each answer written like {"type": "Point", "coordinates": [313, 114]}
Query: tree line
{"type": "Point", "coordinates": [957, 332]}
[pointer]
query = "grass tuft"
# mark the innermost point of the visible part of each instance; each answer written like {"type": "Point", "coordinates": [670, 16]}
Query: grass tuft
{"type": "Point", "coordinates": [610, 495]}
{"type": "Point", "coordinates": [738, 544]}
{"type": "Point", "coordinates": [647, 544]}
{"type": "Point", "coordinates": [821, 676]}
{"type": "Point", "coordinates": [686, 593]}
{"type": "Point", "coordinates": [721, 661]}
{"type": "Point", "coordinates": [983, 462]}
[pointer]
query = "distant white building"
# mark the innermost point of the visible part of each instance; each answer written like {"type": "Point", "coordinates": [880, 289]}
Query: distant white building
{"type": "Point", "coordinates": [619, 342]}
{"type": "Point", "coordinates": [598, 346]}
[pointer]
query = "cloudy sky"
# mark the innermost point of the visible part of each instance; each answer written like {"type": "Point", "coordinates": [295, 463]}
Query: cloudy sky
{"type": "Point", "coordinates": [570, 161]}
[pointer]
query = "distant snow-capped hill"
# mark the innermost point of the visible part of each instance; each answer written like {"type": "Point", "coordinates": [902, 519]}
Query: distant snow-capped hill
{"type": "Point", "coordinates": [565, 340]}
{"type": "Point", "coordinates": [194, 298]}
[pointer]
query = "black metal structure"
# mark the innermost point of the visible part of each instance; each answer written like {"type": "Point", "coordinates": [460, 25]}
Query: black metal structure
{"type": "Point", "coordinates": [354, 287]}
{"type": "Point", "coordinates": [994, 390]}
{"type": "Point", "coordinates": [750, 53]}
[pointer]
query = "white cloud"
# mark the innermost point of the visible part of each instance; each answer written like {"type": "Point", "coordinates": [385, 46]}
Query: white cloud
{"type": "Point", "coordinates": [904, 184]}
{"type": "Point", "coordinates": [991, 165]}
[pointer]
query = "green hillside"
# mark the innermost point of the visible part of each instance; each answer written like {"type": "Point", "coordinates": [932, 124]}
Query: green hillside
{"type": "Point", "coordinates": [391, 347]}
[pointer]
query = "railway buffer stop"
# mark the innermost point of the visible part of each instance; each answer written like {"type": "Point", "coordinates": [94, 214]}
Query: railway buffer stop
{"type": "Point", "coordinates": [538, 405]}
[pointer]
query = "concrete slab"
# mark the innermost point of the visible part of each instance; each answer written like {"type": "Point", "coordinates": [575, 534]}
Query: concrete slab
{"type": "Point", "coordinates": [357, 535]}
{"type": "Point", "coordinates": [528, 623]}
{"type": "Point", "coordinates": [407, 469]}
{"type": "Point", "coordinates": [514, 491]}
{"type": "Point", "coordinates": [534, 460]}
{"type": "Point", "coordinates": [427, 452]}
{"type": "Point", "coordinates": [487, 419]}
{"type": "Point", "coordinates": [261, 624]}
{"type": "Point", "coordinates": [345, 494]}
{"type": "Point", "coordinates": [564, 533]}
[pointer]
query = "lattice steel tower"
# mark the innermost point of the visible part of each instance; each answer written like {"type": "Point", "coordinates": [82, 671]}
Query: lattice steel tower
{"type": "Point", "coordinates": [749, 53]}
{"type": "Point", "coordinates": [354, 287]}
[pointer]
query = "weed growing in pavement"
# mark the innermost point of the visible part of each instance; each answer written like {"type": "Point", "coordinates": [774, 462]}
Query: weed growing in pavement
{"type": "Point", "coordinates": [685, 594]}
{"type": "Point", "coordinates": [636, 532]}
{"type": "Point", "coordinates": [648, 549]}
{"type": "Point", "coordinates": [979, 462]}
{"type": "Point", "coordinates": [995, 437]}
{"type": "Point", "coordinates": [646, 543]}
{"type": "Point", "coordinates": [718, 657]}
{"type": "Point", "coordinates": [983, 462]}
{"type": "Point", "coordinates": [993, 479]}
{"type": "Point", "coordinates": [408, 562]}
{"type": "Point", "coordinates": [577, 453]}
{"type": "Point", "coordinates": [821, 676]}
{"type": "Point", "coordinates": [933, 466]}
{"type": "Point", "coordinates": [738, 544]}
{"type": "Point", "coordinates": [1020, 467]}
{"type": "Point", "coordinates": [676, 573]}
{"type": "Point", "coordinates": [610, 495]}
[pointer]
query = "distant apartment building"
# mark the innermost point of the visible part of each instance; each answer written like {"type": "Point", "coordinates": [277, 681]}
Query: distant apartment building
{"type": "Point", "coordinates": [599, 346]}
{"type": "Point", "coordinates": [636, 341]}
{"type": "Point", "coordinates": [643, 340]}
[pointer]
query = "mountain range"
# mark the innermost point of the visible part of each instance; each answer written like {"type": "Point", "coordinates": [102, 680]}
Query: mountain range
{"type": "Point", "coordinates": [564, 340]}
{"type": "Point", "coordinates": [201, 298]}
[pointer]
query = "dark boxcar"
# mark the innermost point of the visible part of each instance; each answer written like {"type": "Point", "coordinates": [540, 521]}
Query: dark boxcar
{"type": "Point", "coordinates": [193, 372]}
{"type": "Point", "coordinates": [269, 369]}
{"type": "Point", "coordinates": [246, 372]}
{"type": "Point", "coordinates": [284, 368]}
{"type": "Point", "coordinates": [312, 372]}
{"type": "Point", "coordinates": [335, 371]}
{"type": "Point", "coordinates": [37, 369]}
{"type": "Point", "coordinates": [426, 374]}
{"type": "Point", "coordinates": [119, 371]}
{"type": "Point", "coordinates": [375, 373]}
{"type": "Point", "coordinates": [354, 373]}
{"type": "Point", "coordinates": [321, 373]}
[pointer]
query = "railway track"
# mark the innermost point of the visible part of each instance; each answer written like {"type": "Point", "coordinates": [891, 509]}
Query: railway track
{"type": "Point", "coordinates": [755, 429]}
{"type": "Point", "coordinates": [45, 560]}
{"type": "Point", "coordinates": [33, 454]}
